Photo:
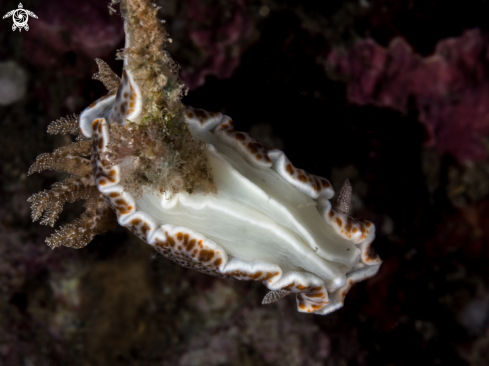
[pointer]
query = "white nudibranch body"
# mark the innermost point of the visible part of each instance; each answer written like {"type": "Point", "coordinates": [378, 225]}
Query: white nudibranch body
{"type": "Point", "coordinates": [266, 221]}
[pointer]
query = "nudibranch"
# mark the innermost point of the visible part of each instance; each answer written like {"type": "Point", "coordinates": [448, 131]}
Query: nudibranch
{"type": "Point", "coordinates": [202, 194]}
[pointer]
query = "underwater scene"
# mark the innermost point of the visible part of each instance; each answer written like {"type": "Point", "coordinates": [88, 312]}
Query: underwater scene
{"type": "Point", "coordinates": [244, 182]}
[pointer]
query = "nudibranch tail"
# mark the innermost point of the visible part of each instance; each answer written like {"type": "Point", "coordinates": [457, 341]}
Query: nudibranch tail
{"type": "Point", "coordinates": [202, 194]}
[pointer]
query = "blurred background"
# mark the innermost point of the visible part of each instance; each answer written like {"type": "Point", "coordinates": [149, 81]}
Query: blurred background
{"type": "Point", "coordinates": [392, 94]}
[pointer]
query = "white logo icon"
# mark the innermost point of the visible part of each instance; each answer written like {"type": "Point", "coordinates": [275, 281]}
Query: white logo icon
{"type": "Point", "coordinates": [20, 17]}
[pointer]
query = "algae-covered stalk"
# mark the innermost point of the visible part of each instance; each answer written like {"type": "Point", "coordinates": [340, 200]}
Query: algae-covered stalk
{"type": "Point", "coordinates": [164, 156]}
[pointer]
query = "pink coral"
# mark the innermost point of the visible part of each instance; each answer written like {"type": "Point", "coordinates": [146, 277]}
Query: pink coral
{"type": "Point", "coordinates": [65, 26]}
{"type": "Point", "coordinates": [450, 88]}
{"type": "Point", "coordinates": [220, 35]}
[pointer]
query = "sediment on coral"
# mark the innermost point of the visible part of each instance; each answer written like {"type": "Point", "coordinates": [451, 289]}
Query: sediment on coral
{"type": "Point", "coordinates": [148, 162]}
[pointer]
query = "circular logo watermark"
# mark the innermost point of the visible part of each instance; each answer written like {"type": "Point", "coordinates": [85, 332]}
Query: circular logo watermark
{"type": "Point", "coordinates": [20, 17]}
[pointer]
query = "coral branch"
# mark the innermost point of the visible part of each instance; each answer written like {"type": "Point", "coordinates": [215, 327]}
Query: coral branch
{"type": "Point", "coordinates": [65, 125]}
{"type": "Point", "coordinates": [160, 141]}
{"type": "Point", "coordinates": [49, 203]}
{"type": "Point", "coordinates": [67, 159]}
{"type": "Point", "coordinates": [108, 77]}
{"type": "Point", "coordinates": [147, 58]}
{"type": "Point", "coordinates": [97, 219]}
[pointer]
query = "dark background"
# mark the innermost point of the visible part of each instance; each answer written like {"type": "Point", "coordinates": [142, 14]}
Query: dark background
{"type": "Point", "coordinates": [264, 63]}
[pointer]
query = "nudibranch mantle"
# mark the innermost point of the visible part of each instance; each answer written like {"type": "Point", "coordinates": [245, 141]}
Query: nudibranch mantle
{"type": "Point", "coordinates": [263, 219]}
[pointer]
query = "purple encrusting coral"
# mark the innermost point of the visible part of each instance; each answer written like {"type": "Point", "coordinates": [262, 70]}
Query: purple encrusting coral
{"type": "Point", "coordinates": [220, 34]}
{"type": "Point", "coordinates": [450, 88]}
{"type": "Point", "coordinates": [67, 26]}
